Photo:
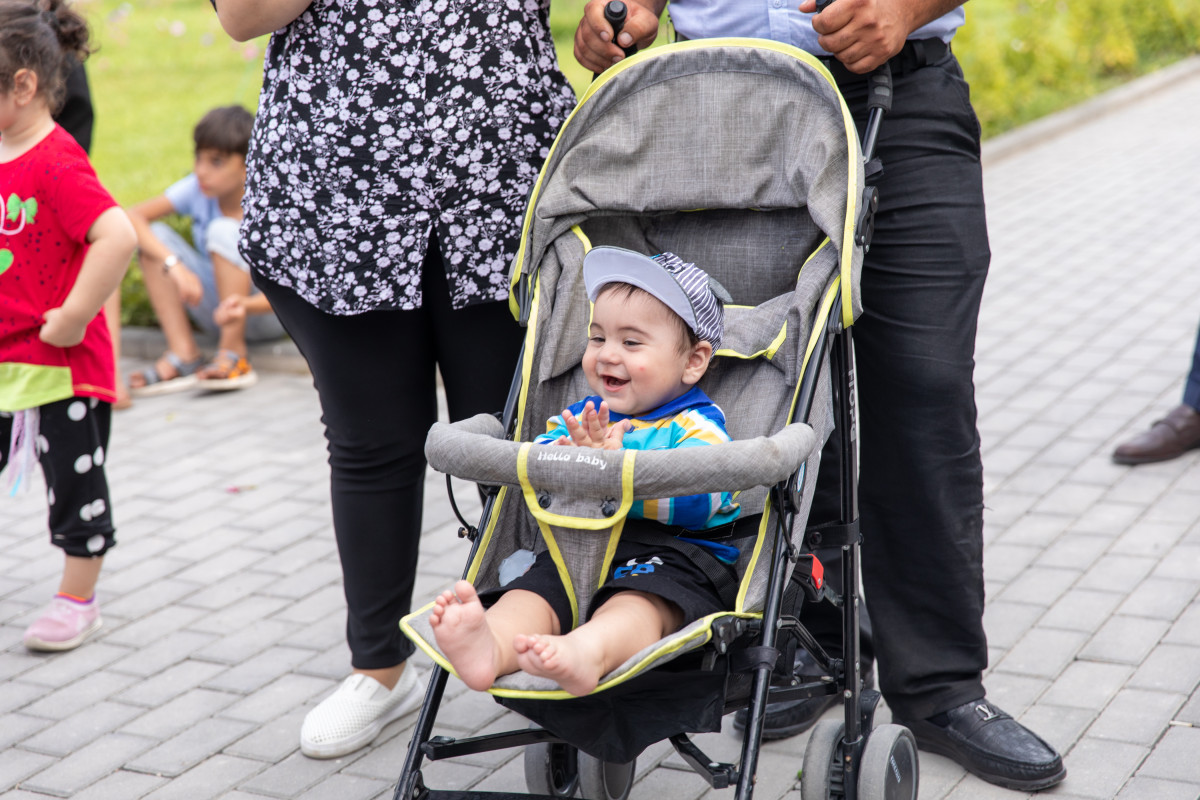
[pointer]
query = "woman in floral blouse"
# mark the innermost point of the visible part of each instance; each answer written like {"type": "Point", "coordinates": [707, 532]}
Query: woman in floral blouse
{"type": "Point", "coordinates": [394, 147]}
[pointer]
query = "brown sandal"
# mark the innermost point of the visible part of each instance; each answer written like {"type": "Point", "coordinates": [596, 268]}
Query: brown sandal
{"type": "Point", "coordinates": [226, 372]}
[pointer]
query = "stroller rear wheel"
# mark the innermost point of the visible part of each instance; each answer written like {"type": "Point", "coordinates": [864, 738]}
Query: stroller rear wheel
{"type": "Point", "coordinates": [888, 770]}
{"type": "Point", "coordinates": [552, 769]}
{"type": "Point", "coordinates": [603, 780]}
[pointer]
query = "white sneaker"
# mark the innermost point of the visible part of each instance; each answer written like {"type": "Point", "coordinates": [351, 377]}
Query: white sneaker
{"type": "Point", "coordinates": [356, 712]}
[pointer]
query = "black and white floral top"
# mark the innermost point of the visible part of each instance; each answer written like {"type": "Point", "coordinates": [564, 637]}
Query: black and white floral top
{"type": "Point", "coordinates": [383, 120]}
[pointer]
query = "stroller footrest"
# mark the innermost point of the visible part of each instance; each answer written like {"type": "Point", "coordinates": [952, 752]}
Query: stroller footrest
{"type": "Point", "coordinates": [719, 775]}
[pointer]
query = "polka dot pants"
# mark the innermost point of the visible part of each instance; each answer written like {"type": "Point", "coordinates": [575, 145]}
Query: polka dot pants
{"type": "Point", "coordinates": [71, 447]}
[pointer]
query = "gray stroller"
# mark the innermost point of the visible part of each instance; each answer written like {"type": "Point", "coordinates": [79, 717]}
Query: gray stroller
{"type": "Point", "coordinates": [738, 155]}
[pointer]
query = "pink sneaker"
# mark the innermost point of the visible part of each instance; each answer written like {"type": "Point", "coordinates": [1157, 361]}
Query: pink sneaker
{"type": "Point", "coordinates": [65, 625]}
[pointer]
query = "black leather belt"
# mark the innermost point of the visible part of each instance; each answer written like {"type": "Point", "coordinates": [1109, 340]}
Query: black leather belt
{"type": "Point", "coordinates": [915, 54]}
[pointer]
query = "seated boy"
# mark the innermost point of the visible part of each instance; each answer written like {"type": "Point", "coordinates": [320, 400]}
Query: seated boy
{"type": "Point", "coordinates": [207, 280]}
{"type": "Point", "coordinates": [655, 325]}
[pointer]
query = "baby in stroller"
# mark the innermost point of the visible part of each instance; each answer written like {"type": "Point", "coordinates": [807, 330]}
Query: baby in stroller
{"type": "Point", "coordinates": [655, 325]}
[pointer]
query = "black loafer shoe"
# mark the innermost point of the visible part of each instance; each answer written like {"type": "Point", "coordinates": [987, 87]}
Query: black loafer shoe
{"type": "Point", "coordinates": [990, 744]}
{"type": "Point", "coordinates": [793, 717]}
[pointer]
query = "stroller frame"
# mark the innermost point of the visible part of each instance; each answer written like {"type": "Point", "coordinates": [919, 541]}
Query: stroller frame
{"type": "Point", "coordinates": [842, 760]}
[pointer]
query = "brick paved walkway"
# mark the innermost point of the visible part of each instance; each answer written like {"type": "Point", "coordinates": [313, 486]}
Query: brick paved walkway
{"type": "Point", "coordinates": [223, 603]}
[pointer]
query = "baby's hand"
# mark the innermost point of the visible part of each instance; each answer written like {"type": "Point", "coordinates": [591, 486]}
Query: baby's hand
{"type": "Point", "coordinates": [593, 429]}
{"type": "Point", "coordinates": [61, 330]}
{"type": "Point", "coordinates": [231, 309]}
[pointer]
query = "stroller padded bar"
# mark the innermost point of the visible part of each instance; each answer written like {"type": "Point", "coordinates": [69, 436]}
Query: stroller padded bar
{"type": "Point", "coordinates": [475, 449]}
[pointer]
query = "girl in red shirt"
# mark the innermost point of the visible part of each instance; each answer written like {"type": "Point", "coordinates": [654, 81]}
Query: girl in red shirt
{"type": "Point", "coordinates": [64, 246]}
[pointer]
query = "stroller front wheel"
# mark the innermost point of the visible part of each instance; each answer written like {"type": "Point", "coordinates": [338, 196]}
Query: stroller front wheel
{"type": "Point", "coordinates": [603, 780]}
{"type": "Point", "coordinates": [552, 769]}
{"type": "Point", "coordinates": [889, 767]}
{"type": "Point", "coordinates": [821, 772]}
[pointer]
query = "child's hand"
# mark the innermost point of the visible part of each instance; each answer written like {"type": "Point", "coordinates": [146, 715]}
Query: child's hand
{"type": "Point", "coordinates": [593, 430]}
{"type": "Point", "coordinates": [231, 309]}
{"type": "Point", "coordinates": [188, 285]}
{"type": "Point", "coordinates": [61, 330]}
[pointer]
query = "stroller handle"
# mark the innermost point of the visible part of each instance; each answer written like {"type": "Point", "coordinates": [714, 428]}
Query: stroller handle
{"type": "Point", "coordinates": [475, 449]}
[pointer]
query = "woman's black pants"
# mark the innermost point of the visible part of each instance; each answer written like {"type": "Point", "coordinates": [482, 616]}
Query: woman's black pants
{"type": "Point", "coordinates": [375, 374]}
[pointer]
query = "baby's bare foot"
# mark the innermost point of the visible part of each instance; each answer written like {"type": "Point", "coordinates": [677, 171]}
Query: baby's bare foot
{"type": "Point", "coordinates": [565, 661]}
{"type": "Point", "coordinates": [463, 635]}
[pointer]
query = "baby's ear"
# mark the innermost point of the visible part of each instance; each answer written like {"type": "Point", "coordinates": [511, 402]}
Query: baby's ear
{"type": "Point", "coordinates": [697, 362]}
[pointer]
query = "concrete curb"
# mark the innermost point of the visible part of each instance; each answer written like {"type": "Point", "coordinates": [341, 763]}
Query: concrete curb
{"type": "Point", "coordinates": [280, 355]}
{"type": "Point", "coordinates": [1048, 127]}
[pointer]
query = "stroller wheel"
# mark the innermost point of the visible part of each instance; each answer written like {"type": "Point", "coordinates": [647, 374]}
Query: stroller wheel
{"type": "Point", "coordinates": [552, 769]}
{"type": "Point", "coordinates": [889, 768]}
{"type": "Point", "coordinates": [821, 772]}
{"type": "Point", "coordinates": [603, 780]}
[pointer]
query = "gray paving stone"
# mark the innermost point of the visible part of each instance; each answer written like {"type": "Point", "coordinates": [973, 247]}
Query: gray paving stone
{"type": "Point", "coordinates": [61, 669]}
{"type": "Point", "coordinates": [1087, 684]}
{"type": "Point", "coordinates": [1040, 585]}
{"type": "Point", "coordinates": [1160, 598]}
{"type": "Point", "coordinates": [1099, 768]}
{"type": "Point", "coordinates": [155, 626]}
{"type": "Point", "coordinates": [295, 774]}
{"type": "Point", "coordinates": [1124, 640]}
{"type": "Point", "coordinates": [1186, 629]}
{"type": "Point", "coordinates": [210, 779]}
{"type": "Point", "coordinates": [287, 692]}
{"type": "Point", "coordinates": [1080, 610]}
{"type": "Point", "coordinates": [85, 766]}
{"type": "Point", "coordinates": [1006, 622]}
{"type": "Point", "coordinates": [17, 727]}
{"type": "Point", "coordinates": [345, 787]}
{"type": "Point", "coordinates": [84, 726]}
{"type": "Point", "coordinates": [317, 605]}
{"type": "Point", "coordinates": [62, 703]}
{"type": "Point", "coordinates": [1117, 573]}
{"type": "Point", "coordinates": [257, 671]}
{"type": "Point", "coordinates": [1139, 788]}
{"type": "Point", "coordinates": [17, 694]}
{"type": "Point", "coordinates": [176, 680]}
{"type": "Point", "coordinates": [1183, 562]}
{"type": "Point", "coordinates": [16, 765]}
{"type": "Point", "coordinates": [1061, 726]}
{"type": "Point", "coordinates": [121, 785]}
{"type": "Point", "coordinates": [247, 641]}
{"type": "Point", "coordinates": [1170, 668]}
{"type": "Point", "coordinates": [271, 741]}
{"type": "Point", "coordinates": [190, 747]}
{"type": "Point", "coordinates": [1042, 652]}
{"type": "Point", "coordinates": [1174, 758]}
{"type": "Point", "coordinates": [179, 714]}
{"type": "Point", "coordinates": [161, 654]}
{"type": "Point", "coordinates": [1137, 716]}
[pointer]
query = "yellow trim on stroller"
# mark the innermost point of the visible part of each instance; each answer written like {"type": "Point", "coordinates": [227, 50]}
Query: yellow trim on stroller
{"type": "Point", "coordinates": [853, 166]}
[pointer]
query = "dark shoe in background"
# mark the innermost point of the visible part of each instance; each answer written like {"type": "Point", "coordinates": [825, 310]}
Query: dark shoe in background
{"type": "Point", "coordinates": [793, 717]}
{"type": "Point", "coordinates": [991, 745]}
{"type": "Point", "coordinates": [1169, 437]}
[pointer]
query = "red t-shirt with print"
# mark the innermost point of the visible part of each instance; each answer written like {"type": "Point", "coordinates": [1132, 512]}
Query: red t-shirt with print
{"type": "Point", "coordinates": [49, 199]}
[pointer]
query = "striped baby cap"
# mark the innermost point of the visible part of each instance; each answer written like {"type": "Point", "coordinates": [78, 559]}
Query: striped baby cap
{"type": "Point", "coordinates": [681, 286]}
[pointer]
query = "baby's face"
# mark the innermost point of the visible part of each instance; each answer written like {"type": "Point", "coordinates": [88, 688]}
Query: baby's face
{"type": "Point", "coordinates": [636, 358]}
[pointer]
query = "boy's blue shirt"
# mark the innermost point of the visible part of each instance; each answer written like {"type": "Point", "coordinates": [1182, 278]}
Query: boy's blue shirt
{"type": "Point", "coordinates": [690, 420]}
{"type": "Point", "coordinates": [188, 201]}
